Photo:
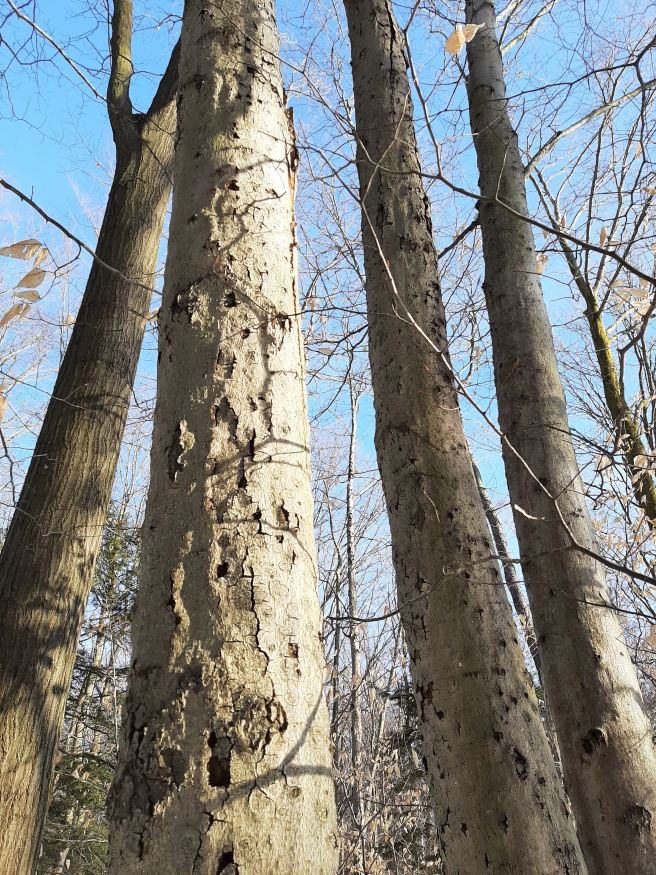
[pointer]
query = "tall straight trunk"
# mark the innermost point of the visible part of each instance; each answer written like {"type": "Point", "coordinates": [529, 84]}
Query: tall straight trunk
{"type": "Point", "coordinates": [606, 741]}
{"type": "Point", "coordinates": [225, 761]}
{"type": "Point", "coordinates": [499, 805]}
{"type": "Point", "coordinates": [355, 633]}
{"type": "Point", "coordinates": [47, 561]}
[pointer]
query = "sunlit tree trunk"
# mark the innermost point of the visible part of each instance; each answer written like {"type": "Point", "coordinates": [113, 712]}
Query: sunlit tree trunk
{"type": "Point", "coordinates": [47, 561]}
{"type": "Point", "coordinates": [225, 761]}
{"type": "Point", "coordinates": [499, 805]}
{"type": "Point", "coordinates": [605, 738]}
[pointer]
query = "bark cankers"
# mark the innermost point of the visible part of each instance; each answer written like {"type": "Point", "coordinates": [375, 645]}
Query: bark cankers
{"type": "Point", "coordinates": [225, 764]}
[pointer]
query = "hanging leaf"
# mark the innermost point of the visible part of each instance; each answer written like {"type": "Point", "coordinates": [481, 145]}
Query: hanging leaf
{"type": "Point", "coordinates": [32, 279]}
{"type": "Point", "coordinates": [470, 31]}
{"type": "Point", "coordinates": [563, 221]}
{"type": "Point", "coordinates": [638, 150]}
{"type": "Point", "coordinates": [640, 461]}
{"type": "Point", "coordinates": [23, 249]}
{"type": "Point", "coordinates": [455, 42]}
{"type": "Point", "coordinates": [645, 283]}
{"type": "Point", "coordinates": [649, 189]}
{"type": "Point", "coordinates": [12, 313]}
{"type": "Point", "coordinates": [311, 303]}
{"type": "Point", "coordinates": [415, 758]}
{"type": "Point", "coordinates": [651, 638]}
{"type": "Point", "coordinates": [41, 256]}
{"type": "Point", "coordinates": [28, 296]}
{"type": "Point", "coordinates": [603, 236]}
{"type": "Point", "coordinates": [541, 261]}
{"type": "Point", "coordinates": [3, 406]}
{"type": "Point", "coordinates": [325, 350]}
{"type": "Point", "coordinates": [70, 319]}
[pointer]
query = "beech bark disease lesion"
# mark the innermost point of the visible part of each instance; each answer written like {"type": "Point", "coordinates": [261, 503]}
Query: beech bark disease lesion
{"type": "Point", "coordinates": [226, 762]}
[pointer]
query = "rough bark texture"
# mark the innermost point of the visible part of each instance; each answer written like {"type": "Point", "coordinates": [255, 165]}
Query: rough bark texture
{"type": "Point", "coordinates": [605, 737]}
{"type": "Point", "coordinates": [499, 804]}
{"type": "Point", "coordinates": [47, 561]}
{"type": "Point", "coordinates": [225, 763]}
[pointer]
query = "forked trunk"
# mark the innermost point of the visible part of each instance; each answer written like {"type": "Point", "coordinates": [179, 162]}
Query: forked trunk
{"type": "Point", "coordinates": [499, 804]}
{"type": "Point", "coordinates": [47, 560]}
{"type": "Point", "coordinates": [605, 738]}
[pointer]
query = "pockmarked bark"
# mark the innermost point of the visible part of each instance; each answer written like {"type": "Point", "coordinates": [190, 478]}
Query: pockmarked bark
{"type": "Point", "coordinates": [225, 762]}
{"type": "Point", "coordinates": [48, 557]}
{"type": "Point", "coordinates": [499, 805]}
{"type": "Point", "coordinates": [605, 737]}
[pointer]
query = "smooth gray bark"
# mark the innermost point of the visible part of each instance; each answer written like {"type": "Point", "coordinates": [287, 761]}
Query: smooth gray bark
{"type": "Point", "coordinates": [47, 560]}
{"type": "Point", "coordinates": [499, 804]}
{"type": "Point", "coordinates": [605, 737]}
{"type": "Point", "coordinates": [225, 760]}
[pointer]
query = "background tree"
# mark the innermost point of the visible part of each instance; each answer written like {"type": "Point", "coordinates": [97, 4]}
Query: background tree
{"type": "Point", "coordinates": [608, 755]}
{"type": "Point", "coordinates": [48, 556]}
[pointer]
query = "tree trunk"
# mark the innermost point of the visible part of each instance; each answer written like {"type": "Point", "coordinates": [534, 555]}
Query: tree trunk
{"type": "Point", "coordinates": [510, 575]}
{"type": "Point", "coordinates": [225, 761]}
{"type": "Point", "coordinates": [499, 805]}
{"type": "Point", "coordinates": [47, 561]}
{"type": "Point", "coordinates": [605, 738]}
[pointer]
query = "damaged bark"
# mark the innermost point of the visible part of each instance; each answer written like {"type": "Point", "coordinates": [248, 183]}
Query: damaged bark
{"type": "Point", "coordinates": [225, 761]}
{"type": "Point", "coordinates": [499, 804]}
{"type": "Point", "coordinates": [605, 737]}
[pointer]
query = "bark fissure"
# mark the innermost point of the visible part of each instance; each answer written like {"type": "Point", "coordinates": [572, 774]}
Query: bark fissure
{"type": "Point", "coordinates": [236, 686]}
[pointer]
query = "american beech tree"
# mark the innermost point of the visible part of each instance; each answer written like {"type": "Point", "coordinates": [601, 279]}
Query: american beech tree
{"type": "Point", "coordinates": [605, 737]}
{"type": "Point", "coordinates": [48, 556]}
{"type": "Point", "coordinates": [498, 800]}
{"type": "Point", "coordinates": [225, 765]}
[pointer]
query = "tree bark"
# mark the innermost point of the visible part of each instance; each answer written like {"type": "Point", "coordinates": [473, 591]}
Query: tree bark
{"type": "Point", "coordinates": [47, 561]}
{"type": "Point", "coordinates": [225, 761]}
{"type": "Point", "coordinates": [605, 738]}
{"type": "Point", "coordinates": [499, 805]}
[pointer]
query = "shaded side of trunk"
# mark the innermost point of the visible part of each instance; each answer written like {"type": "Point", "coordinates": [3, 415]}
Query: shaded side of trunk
{"type": "Point", "coordinates": [510, 575]}
{"type": "Point", "coordinates": [225, 761]}
{"type": "Point", "coordinates": [499, 805]}
{"type": "Point", "coordinates": [47, 561]}
{"type": "Point", "coordinates": [605, 738]}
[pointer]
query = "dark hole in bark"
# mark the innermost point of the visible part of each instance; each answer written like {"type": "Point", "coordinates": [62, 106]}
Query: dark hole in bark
{"type": "Point", "coordinates": [227, 859]}
{"type": "Point", "coordinates": [221, 571]}
{"type": "Point", "coordinates": [521, 764]}
{"type": "Point", "coordinates": [595, 738]}
{"type": "Point", "coordinates": [230, 299]}
{"type": "Point", "coordinates": [233, 185]}
{"type": "Point", "coordinates": [292, 649]}
{"type": "Point", "coordinates": [218, 769]}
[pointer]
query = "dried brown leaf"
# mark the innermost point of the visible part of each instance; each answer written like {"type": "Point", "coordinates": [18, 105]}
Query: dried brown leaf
{"type": "Point", "coordinates": [32, 279]}
{"type": "Point", "coordinates": [455, 42]}
{"type": "Point", "coordinates": [23, 249]}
